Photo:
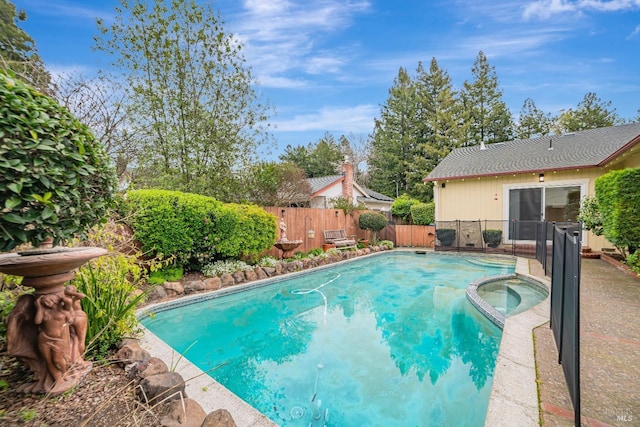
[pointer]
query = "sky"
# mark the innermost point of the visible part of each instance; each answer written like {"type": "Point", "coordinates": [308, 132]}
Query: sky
{"type": "Point", "coordinates": [328, 65]}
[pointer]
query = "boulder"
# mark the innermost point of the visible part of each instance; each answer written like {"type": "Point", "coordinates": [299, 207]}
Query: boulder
{"type": "Point", "coordinates": [173, 289]}
{"type": "Point", "coordinates": [189, 415]}
{"type": "Point", "coordinates": [260, 273]}
{"type": "Point", "coordinates": [227, 280]}
{"type": "Point", "coordinates": [163, 386]}
{"type": "Point", "coordinates": [250, 275]}
{"type": "Point", "coordinates": [219, 418]}
{"type": "Point", "coordinates": [194, 286]}
{"type": "Point", "coordinates": [150, 367]}
{"type": "Point", "coordinates": [157, 293]}
{"type": "Point", "coordinates": [212, 284]}
{"type": "Point", "coordinates": [269, 271]}
{"type": "Point", "coordinates": [238, 277]}
{"type": "Point", "coordinates": [131, 353]}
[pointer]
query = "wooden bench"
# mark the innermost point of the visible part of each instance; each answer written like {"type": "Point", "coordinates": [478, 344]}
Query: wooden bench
{"type": "Point", "coordinates": [339, 238]}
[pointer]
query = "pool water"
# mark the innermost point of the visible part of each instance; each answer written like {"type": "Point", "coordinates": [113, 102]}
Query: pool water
{"type": "Point", "coordinates": [511, 296]}
{"type": "Point", "coordinates": [381, 341]}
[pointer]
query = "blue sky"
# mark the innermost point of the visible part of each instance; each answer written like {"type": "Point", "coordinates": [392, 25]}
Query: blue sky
{"type": "Point", "coordinates": [327, 65]}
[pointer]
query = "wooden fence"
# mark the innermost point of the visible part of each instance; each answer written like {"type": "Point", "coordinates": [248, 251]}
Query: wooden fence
{"type": "Point", "coordinates": [300, 221]}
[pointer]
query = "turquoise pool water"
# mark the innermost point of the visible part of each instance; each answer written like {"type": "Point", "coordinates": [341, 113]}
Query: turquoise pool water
{"type": "Point", "coordinates": [387, 340]}
{"type": "Point", "coordinates": [512, 296]}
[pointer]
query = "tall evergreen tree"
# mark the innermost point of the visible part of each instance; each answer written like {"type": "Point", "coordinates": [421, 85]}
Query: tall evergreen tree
{"type": "Point", "coordinates": [393, 137]}
{"type": "Point", "coordinates": [440, 124]}
{"type": "Point", "coordinates": [489, 118]}
{"type": "Point", "coordinates": [533, 122]}
{"type": "Point", "coordinates": [322, 158]}
{"type": "Point", "coordinates": [592, 113]}
{"type": "Point", "coordinates": [191, 96]}
{"type": "Point", "coordinates": [18, 51]}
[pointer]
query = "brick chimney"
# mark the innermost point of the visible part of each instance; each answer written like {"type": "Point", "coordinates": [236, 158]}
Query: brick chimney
{"type": "Point", "coordinates": [347, 183]}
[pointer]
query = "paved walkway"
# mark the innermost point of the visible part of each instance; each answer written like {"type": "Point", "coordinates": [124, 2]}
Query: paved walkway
{"type": "Point", "coordinates": [610, 352]}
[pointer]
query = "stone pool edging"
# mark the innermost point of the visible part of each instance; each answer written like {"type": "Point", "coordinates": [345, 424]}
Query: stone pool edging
{"type": "Point", "coordinates": [514, 394]}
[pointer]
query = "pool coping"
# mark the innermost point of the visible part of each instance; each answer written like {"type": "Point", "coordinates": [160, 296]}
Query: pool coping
{"type": "Point", "coordinates": [514, 394]}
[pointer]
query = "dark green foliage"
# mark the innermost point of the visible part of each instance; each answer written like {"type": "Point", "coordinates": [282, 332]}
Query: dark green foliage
{"type": "Point", "coordinates": [372, 221]}
{"type": "Point", "coordinates": [423, 213]}
{"type": "Point", "coordinates": [446, 236]}
{"type": "Point", "coordinates": [618, 194]}
{"type": "Point", "coordinates": [401, 207]}
{"type": "Point", "coordinates": [492, 237]}
{"type": "Point", "coordinates": [57, 180]}
{"type": "Point", "coordinates": [633, 261]}
{"type": "Point", "coordinates": [167, 274]}
{"type": "Point", "coordinates": [592, 113]}
{"type": "Point", "coordinates": [196, 228]}
{"type": "Point", "coordinates": [322, 158]}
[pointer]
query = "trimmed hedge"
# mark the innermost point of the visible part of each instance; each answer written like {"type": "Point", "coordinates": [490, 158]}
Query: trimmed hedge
{"type": "Point", "coordinates": [618, 194]}
{"type": "Point", "coordinates": [196, 229]}
{"type": "Point", "coordinates": [423, 213]}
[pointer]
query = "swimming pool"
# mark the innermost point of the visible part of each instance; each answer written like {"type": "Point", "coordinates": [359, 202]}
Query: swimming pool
{"type": "Point", "coordinates": [385, 340]}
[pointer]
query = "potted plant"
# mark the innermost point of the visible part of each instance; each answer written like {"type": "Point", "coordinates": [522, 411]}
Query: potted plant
{"type": "Point", "coordinates": [446, 236]}
{"type": "Point", "coordinates": [492, 237]}
{"type": "Point", "coordinates": [373, 221]}
{"type": "Point", "coordinates": [57, 183]}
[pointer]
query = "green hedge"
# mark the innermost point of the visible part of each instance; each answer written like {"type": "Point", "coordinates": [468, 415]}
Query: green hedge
{"type": "Point", "coordinates": [618, 194]}
{"type": "Point", "coordinates": [423, 213]}
{"type": "Point", "coordinates": [401, 207]}
{"type": "Point", "coordinates": [196, 229]}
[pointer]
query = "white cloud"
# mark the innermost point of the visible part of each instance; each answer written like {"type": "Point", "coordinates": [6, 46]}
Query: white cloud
{"type": "Point", "coordinates": [356, 119]}
{"type": "Point", "coordinates": [285, 38]}
{"type": "Point", "coordinates": [546, 8]}
{"type": "Point", "coordinates": [634, 33]}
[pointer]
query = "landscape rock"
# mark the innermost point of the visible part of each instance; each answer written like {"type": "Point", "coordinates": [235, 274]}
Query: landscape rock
{"type": "Point", "coordinates": [131, 353]}
{"type": "Point", "coordinates": [250, 275]}
{"type": "Point", "coordinates": [150, 367]}
{"type": "Point", "coordinates": [212, 284]}
{"type": "Point", "coordinates": [278, 268]}
{"type": "Point", "coordinates": [191, 415]}
{"type": "Point", "coordinates": [238, 277]}
{"type": "Point", "coordinates": [193, 286]}
{"type": "Point", "coordinates": [163, 386]}
{"type": "Point", "coordinates": [157, 293]}
{"type": "Point", "coordinates": [219, 418]}
{"type": "Point", "coordinates": [173, 289]}
{"type": "Point", "coordinates": [260, 273]}
{"type": "Point", "coordinates": [269, 271]}
{"type": "Point", "coordinates": [227, 280]}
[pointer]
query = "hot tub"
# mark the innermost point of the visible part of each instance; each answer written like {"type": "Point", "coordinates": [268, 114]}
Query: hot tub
{"type": "Point", "coordinates": [502, 296]}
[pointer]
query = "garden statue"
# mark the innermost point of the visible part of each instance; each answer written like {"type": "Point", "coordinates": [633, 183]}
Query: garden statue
{"type": "Point", "coordinates": [284, 244]}
{"type": "Point", "coordinates": [58, 182]}
{"type": "Point", "coordinates": [283, 231]}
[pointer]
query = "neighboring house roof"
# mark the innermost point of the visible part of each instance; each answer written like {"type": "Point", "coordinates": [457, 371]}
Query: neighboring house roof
{"type": "Point", "coordinates": [318, 184]}
{"type": "Point", "coordinates": [375, 196]}
{"type": "Point", "coordinates": [584, 149]}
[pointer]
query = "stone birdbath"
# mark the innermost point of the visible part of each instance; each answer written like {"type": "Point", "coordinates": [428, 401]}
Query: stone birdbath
{"type": "Point", "coordinates": [285, 245]}
{"type": "Point", "coordinates": [47, 329]}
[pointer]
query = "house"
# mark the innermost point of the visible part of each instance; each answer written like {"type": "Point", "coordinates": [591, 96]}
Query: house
{"type": "Point", "coordinates": [542, 178]}
{"type": "Point", "coordinates": [325, 188]}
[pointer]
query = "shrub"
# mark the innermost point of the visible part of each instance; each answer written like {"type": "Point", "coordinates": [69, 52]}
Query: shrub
{"type": "Point", "coordinates": [446, 236]}
{"type": "Point", "coordinates": [167, 274]}
{"type": "Point", "coordinates": [109, 283]}
{"type": "Point", "coordinates": [267, 261]}
{"type": "Point", "coordinates": [373, 221]}
{"type": "Point", "coordinates": [218, 268]}
{"type": "Point", "coordinates": [197, 228]}
{"type": "Point", "coordinates": [401, 207]}
{"type": "Point", "coordinates": [590, 215]}
{"type": "Point", "coordinates": [315, 252]}
{"type": "Point", "coordinates": [423, 213]}
{"type": "Point", "coordinates": [492, 237]}
{"type": "Point", "coordinates": [618, 194]}
{"type": "Point", "coordinates": [57, 180]}
{"type": "Point", "coordinates": [387, 243]}
{"type": "Point", "coordinates": [633, 261]}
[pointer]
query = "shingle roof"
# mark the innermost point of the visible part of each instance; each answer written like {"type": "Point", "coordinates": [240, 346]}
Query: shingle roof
{"type": "Point", "coordinates": [321, 182]}
{"type": "Point", "coordinates": [588, 148]}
